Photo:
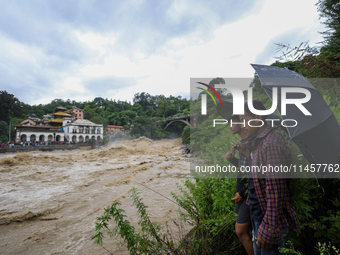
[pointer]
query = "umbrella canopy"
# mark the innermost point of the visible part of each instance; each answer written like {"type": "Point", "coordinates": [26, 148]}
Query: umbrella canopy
{"type": "Point", "coordinates": [317, 135]}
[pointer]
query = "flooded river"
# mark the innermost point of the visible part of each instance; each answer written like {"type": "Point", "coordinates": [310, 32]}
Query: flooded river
{"type": "Point", "coordinates": [49, 200]}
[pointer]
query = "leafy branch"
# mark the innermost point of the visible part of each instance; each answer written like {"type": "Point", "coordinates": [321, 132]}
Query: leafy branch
{"type": "Point", "coordinates": [296, 53]}
{"type": "Point", "coordinates": [147, 240]}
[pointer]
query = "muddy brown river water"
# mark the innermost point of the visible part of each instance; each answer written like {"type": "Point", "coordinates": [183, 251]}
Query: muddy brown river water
{"type": "Point", "coordinates": [49, 200]}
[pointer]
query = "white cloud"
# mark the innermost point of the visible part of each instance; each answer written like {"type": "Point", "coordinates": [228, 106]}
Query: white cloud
{"type": "Point", "coordinates": [212, 50]}
{"type": "Point", "coordinates": [98, 42]}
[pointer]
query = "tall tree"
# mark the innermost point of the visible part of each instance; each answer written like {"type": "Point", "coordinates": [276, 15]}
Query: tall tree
{"type": "Point", "coordinates": [10, 106]}
{"type": "Point", "coordinates": [3, 131]}
{"type": "Point", "coordinates": [144, 99]}
{"type": "Point", "coordinates": [330, 11]}
{"type": "Point", "coordinates": [98, 101]}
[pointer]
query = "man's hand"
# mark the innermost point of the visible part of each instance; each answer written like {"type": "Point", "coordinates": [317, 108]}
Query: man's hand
{"type": "Point", "coordinates": [238, 199]}
{"type": "Point", "coordinates": [229, 155]}
{"type": "Point", "coordinates": [241, 147]}
{"type": "Point", "coordinates": [262, 244]}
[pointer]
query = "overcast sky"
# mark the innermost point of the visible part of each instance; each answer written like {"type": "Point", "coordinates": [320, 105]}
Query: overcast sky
{"type": "Point", "coordinates": [84, 49]}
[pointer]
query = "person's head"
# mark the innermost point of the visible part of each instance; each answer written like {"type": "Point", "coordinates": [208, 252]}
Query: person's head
{"type": "Point", "coordinates": [256, 125]}
{"type": "Point", "coordinates": [234, 128]}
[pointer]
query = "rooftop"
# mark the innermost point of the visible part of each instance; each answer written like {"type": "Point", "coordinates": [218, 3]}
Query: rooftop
{"type": "Point", "coordinates": [37, 127]}
{"type": "Point", "coordinates": [61, 114]}
{"type": "Point", "coordinates": [83, 122]}
{"type": "Point", "coordinates": [77, 108]}
{"type": "Point", "coordinates": [60, 108]}
{"type": "Point", "coordinates": [56, 121]}
{"type": "Point", "coordinates": [28, 121]}
{"type": "Point", "coordinates": [113, 126]}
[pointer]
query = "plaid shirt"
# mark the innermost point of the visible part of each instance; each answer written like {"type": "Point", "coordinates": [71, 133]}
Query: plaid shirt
{"type": "Point", "coordinates": [243, 160]}
{"type": "Point", "coordinates": [242, 177]}
{"type": "Point", "coordinates": [272, 193]}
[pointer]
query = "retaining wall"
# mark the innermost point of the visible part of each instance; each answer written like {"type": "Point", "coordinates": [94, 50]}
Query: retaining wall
{"type": "Point", "coordinates": [16, 148]}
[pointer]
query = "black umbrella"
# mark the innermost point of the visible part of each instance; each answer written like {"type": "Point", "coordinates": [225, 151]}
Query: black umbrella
{"type": "Point", "coordinates": [317, 135]}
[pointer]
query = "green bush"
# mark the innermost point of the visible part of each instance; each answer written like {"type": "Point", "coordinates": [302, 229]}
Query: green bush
{"type": "Point", "coordinates": [105, 140]}
{"type": "Point", "coordinates": [207, 204]}
{"type": "Point", "coordinates": [92, 142]}
{"type": "Point", "coordinates": [186, 135]}
{"type": "Point", "coordinates": [147, 240]}
{"type": "Point", "coordinates": [148, 127]}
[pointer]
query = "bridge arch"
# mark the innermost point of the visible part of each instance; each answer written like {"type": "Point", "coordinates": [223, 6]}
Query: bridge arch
{"type": "Point", "coordinates": [175, 121]}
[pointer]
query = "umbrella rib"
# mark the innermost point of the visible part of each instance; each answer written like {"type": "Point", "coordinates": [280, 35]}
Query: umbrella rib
{"type": "Point", "coordinates": [271, 99]}
{"type": "Point", "coordinates": [281, 116]}
{"type": "Point", "coordinates": [328, 116]}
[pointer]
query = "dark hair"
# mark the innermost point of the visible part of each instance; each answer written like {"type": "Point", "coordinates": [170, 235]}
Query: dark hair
{"type": "Point", "coordinates": [258, 106]}
{"type": "Point", "coordinates": [234, 117]}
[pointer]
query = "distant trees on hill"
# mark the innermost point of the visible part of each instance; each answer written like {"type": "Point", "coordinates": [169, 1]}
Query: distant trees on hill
{"type": "Point", "coordinates": [102, 111]}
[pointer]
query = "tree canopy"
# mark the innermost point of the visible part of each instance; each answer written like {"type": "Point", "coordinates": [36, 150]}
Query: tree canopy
{"type": "Point", "coordinates": [10, 106]}
{"type": "Point", "coordinates": [101, 111]}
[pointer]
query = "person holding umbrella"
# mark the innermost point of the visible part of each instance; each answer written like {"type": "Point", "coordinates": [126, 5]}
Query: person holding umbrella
{"type": "Point", "coordinates": [271, 209]}
{"type": "Point", "coordinates": [243, 224]}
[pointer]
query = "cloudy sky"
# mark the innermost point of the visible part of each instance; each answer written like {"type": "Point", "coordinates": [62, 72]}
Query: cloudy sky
{"type": "Point", "coordinates": [84, 49]}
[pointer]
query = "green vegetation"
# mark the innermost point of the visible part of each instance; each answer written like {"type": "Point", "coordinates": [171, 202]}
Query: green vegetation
{"type": "Point", "coordinates": [10, 106]}
{"type": "Point", "coordinates": [186, 135]}
{"type": "Point", "coordinates": [4, 131]}
{"type": "Point", "coordinates": [143, 117]}
{"type": "Point", "coordinates": [148, 240]}
{"type": "Point", "coordinates": [207, 237]}
{"type": "Point", "coordinates": [105, 140]}
{"type": "Point", "coordinates": [92, 142]}
{"type": "Point", "coordinates": [318, 62]}
{"type": "Point", "coordinates": [206, 203]}
{"type": "Point", "coordinates": [318, 214]}
{"type": "Point", "coordinates": [146, 126]}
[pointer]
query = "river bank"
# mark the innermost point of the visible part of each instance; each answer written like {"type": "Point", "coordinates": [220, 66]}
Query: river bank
{"type": "Point", "coordinates": [18, 148]}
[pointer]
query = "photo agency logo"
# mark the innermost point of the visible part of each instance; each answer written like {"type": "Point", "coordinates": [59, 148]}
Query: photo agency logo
{"type": "Point", "coordinates": [279, 94]}
{"type": "Point", "coordinates": [292, 102]}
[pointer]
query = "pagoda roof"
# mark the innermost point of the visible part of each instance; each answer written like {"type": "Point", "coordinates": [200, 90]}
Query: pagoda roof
{"type": "Point", "coordinates": [56, 121]}
{"type": "Point", "coordinates": [60, 108]}
{"type": "Point", "coordinates": [61, 114]}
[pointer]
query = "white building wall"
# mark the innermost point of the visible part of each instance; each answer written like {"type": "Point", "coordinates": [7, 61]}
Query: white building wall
{"type": "Point", "coordinates": [95, 131]}
{"type": "Point", "coordinates": [37, 135]}
{"type": "Point", "coordinates": [67, 134]}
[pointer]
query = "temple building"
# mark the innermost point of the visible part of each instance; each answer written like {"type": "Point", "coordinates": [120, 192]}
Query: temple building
{"type": "Point", "coordinates": [58, 117]}
{"type": "Point", "coordinates": [38, 133]}
{"type": "Point", "coordinates": [61, 127]}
